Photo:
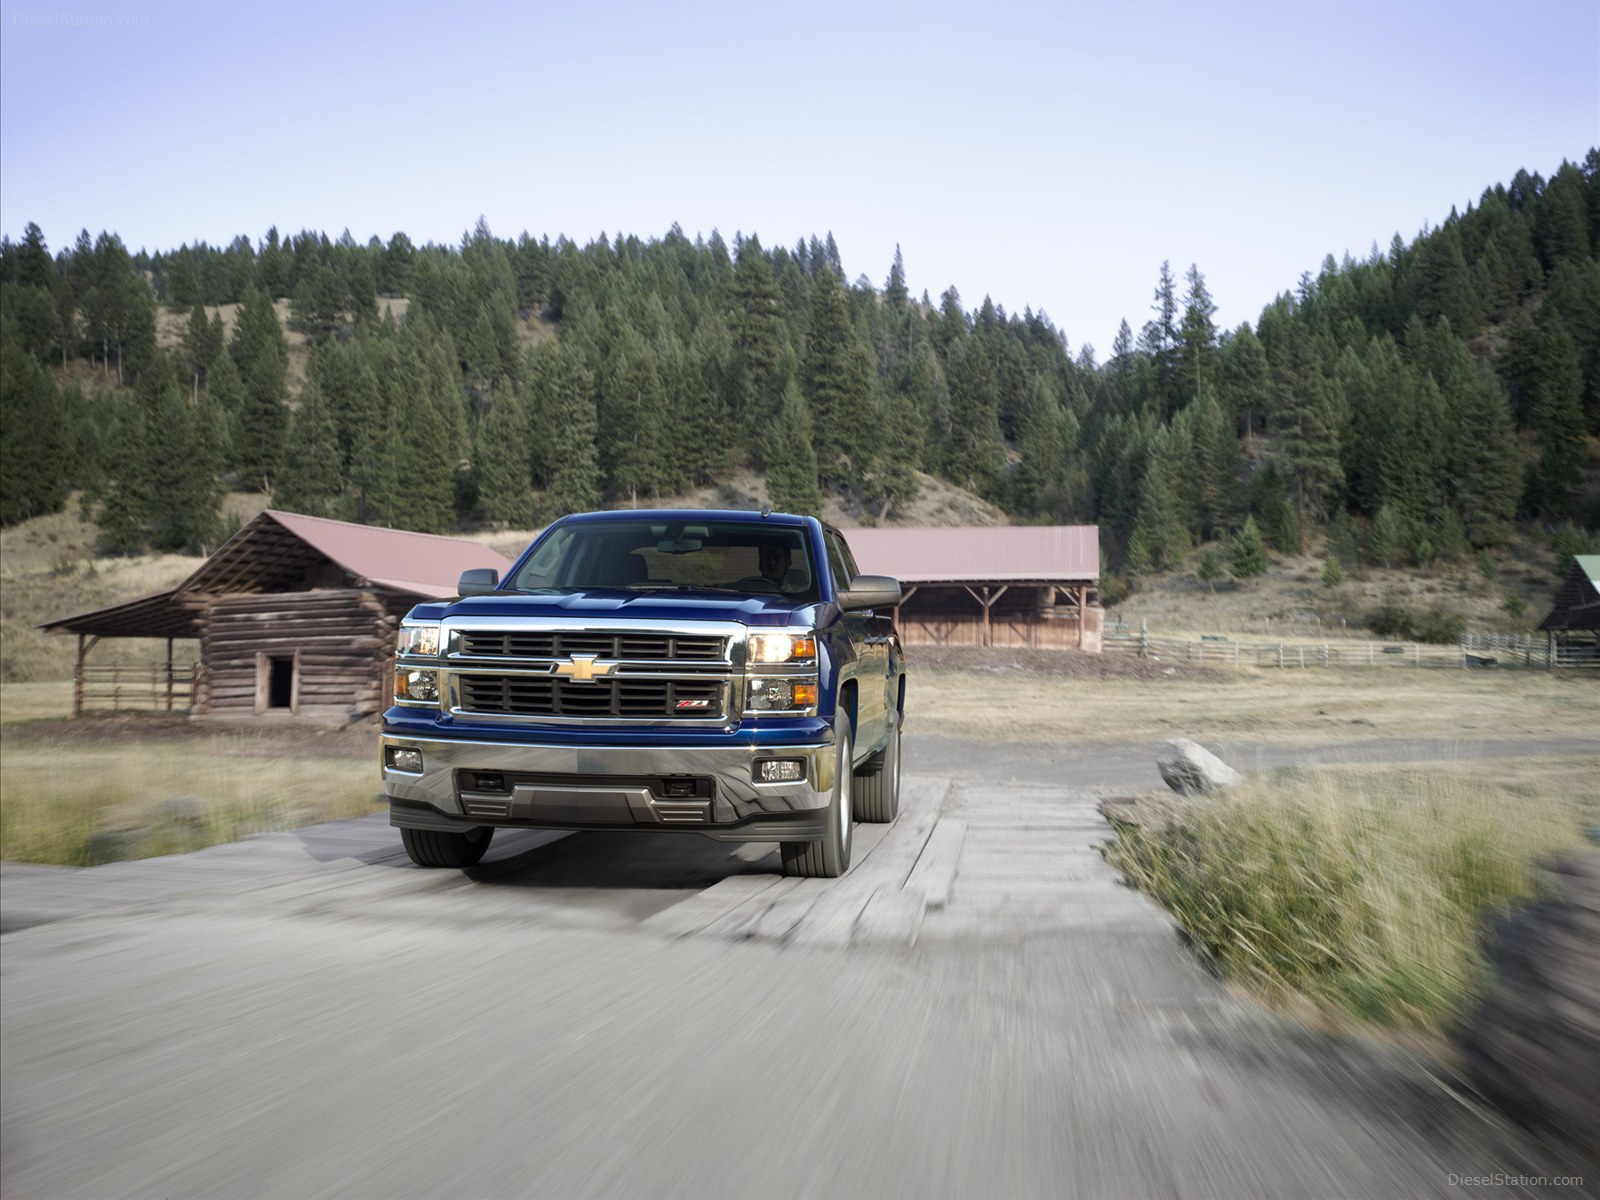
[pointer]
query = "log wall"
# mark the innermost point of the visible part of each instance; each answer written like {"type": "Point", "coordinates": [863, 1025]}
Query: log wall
{"type": "Point", "coordinates": [344, 641]}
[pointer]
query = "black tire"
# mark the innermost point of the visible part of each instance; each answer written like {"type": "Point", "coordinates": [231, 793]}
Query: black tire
{"type": "Point", "coordinates": [436, 848]}
{"type": "Point", "coordinates": [878, 786]}
{"type": "Point", "coordinates": [829, 858]}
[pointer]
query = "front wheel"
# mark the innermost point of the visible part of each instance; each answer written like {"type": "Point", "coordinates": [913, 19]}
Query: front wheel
{"type": "Point", "coordinates": [829, 858]}
{"type": "Point", "coordinates": [878, 791]}
{"type": "Point", "coordinates": [436, 848]}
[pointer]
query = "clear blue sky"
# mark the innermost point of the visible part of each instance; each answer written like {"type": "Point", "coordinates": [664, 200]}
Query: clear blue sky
{"type": "Point", "coordinates": [1049, 155]}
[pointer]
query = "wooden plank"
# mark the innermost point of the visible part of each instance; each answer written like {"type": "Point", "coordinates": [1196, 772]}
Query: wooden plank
{"type": "Point", "coordinates": [694, 914]}
{"type": "Point", "coordinates": [934, 875]}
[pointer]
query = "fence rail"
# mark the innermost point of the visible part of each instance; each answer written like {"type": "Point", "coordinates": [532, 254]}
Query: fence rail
{"type": "Point", "coordinates": [133, 687]}
{"type": "Point", "coordinates": [1474, 652]}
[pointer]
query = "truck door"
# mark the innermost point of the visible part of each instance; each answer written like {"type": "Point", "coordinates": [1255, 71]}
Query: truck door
{"type": "Point", "coordinates": [868, 634]}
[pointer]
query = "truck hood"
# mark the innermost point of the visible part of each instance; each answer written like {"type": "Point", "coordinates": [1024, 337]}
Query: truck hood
{"type": "Point", "coordinates": [604, 604]}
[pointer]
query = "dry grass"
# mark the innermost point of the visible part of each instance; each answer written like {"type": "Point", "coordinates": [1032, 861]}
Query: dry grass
{"type": "Point", "coordinates": [1362, 892]}
{"type": "Point", "coordinates": [48, 569]}
{"type": "Point", "coordinates": [1292, 599]}
{"type": "Point", "coordinates": [77, 804]}
{"type": "Point", "coordinates": [1313, 706]}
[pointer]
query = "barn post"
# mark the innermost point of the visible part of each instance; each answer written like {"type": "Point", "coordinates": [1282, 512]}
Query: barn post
{"type": "Point", "coordinates": [169, 674]}
{"type": "Point", "coordinates": [77, 681]}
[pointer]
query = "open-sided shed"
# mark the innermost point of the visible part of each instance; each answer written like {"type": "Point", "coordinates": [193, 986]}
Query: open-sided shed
{"type": "Point", "coordinates": [295, 615]}
{"type": "Point", "coordinates": [1573, 625]}
{"type": "Point", "coordinates": [1008, 585]}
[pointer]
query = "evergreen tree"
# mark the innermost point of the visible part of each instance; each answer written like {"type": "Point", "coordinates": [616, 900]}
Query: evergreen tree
{"type": "Point", "coordinates": [976, 454]}
{"type": "Point", "coordinates": [312, 475]}
{"type": "Point", "coordinates": [414, 489]}
{"type": "Point", "coordinates": [791, 461]}
{"type": "Point", "coordinates": [1249, 555]}
{"type": "Point", "coordinates": [892, 467]}
{"type": "Point", "coordinates": [1387, 542]}
{"type": "Point", "coordinates": [33, 447]}
{"type": "Point", "coordinates": [504, 461]}
{"type": "Point", "coordinates": [1310, 423]}
{"type": "Point", "coordinates": [635, 401]}
{"type": "Point", "coordinates": [1248, 394]}
{"type": "Point", "coordinates": [575, 470]}
{"type": "Point", "coordinates": [1209, 569]}
{"type": "Point", "coordinates": [1159, 340]}
{"type": "Point", "coordinates": [1197, 337]}
{"type": "Point", "coordinates": [1484, 464]}
{"type": "Point", "coordinates": [261, 431]}
{"type": "Point", "coordinates": [835, 379]}
{"type": "Point", "coordinates": [757, 327]}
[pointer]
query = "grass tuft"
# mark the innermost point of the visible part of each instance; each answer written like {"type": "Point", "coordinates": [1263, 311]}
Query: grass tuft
{"type": "Point", "coordinates": [84, 805]}
{"type": "Point", "coordinates": [1362, 890]}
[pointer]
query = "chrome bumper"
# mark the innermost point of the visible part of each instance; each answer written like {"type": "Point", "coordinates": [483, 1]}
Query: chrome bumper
{"type": "Point", "coordinates": [604, 787]}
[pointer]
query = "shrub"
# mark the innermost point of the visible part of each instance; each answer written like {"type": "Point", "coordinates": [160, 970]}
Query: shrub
{"type": "Point", "coordinates": [1364, 892]}
{"type": "Point", "coordinates": [1441, 627]}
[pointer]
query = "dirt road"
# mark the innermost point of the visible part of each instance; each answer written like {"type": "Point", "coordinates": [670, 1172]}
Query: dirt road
{"type": "Point", "coordinates": [979, 1009]}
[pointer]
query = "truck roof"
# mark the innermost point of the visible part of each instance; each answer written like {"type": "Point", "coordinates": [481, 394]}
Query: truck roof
{"type": "Point", "coordinates": [689, 514]}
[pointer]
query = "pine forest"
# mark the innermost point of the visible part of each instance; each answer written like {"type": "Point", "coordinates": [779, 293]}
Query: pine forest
{"type": "Point", "coordinates": [1416, 404]}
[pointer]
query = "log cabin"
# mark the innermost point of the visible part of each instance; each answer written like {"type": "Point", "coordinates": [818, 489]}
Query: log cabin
{"type": "Point", "coordinates": [295, 617]}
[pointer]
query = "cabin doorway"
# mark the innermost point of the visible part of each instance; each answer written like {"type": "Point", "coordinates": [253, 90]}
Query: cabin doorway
{"type": "Point", "coordinates": [277, 683]}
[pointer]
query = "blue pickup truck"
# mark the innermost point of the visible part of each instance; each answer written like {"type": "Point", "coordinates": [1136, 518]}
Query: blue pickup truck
{"type": "Point", "coordinates": [729, 674]}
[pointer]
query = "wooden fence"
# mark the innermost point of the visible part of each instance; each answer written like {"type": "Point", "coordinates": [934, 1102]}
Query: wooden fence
{"type": "Point", "coordinates": [123, 687]}
{"type": "Point", "coordinates": [1474, 652]}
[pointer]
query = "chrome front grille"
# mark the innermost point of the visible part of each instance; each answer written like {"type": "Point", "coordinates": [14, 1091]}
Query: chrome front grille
{"type": "Point", "coordinates": [616, 697]}
{"type": "Point", "coordinates": [623, 647]}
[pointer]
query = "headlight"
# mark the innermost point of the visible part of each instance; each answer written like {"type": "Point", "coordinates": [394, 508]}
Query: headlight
{"type": "Point", "coordinates": [782, 647]}
{"type": "Point", "coordinates": [417, 686]}
{"type": "Point", "coordinates": [780, 695]}
{"type": "Point", "coordinates": [420, 640]}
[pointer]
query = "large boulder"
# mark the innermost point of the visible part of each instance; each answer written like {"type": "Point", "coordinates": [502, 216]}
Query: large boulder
{"type": "Point", "coordinates": [1192, 770]}
{"type": "Point", "coordinates": [1533, 1047]}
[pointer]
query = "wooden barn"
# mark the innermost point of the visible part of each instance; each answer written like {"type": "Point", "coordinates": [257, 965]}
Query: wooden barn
{"type": "Point", "coordinates": [295, 616]}
{"type": "Point", "coordinates": [1573, 625]}
{"type": "Point", "coordinates": [1033, 586]}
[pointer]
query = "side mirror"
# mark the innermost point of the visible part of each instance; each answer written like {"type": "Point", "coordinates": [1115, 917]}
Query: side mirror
{"type": "Point", "coordinates": [870, 591]}
{"type": "Point", "coordinates": [478, 581]}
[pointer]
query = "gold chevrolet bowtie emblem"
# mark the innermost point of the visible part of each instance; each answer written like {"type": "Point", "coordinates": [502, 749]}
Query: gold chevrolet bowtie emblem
{"type": "Point", "coordinates": [582, 668]}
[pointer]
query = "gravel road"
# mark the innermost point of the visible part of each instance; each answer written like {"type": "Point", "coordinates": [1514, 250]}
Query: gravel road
{"type": "Point", "coordinates": [978, 1009]}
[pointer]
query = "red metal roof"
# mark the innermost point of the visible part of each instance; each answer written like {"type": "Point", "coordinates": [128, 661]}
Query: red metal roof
{"type": "Point", "coordinates": [422, 563]}
{"type": "Point", "coordinates": [1040, 553]}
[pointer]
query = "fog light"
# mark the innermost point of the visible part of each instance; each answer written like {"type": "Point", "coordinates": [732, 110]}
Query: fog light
{"type": "Point", "coordinates": [780, 770]}
{"type": "Point", "coordinates": [402, 759]}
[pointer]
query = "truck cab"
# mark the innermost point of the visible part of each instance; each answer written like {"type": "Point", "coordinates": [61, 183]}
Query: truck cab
{"type": "Point", "coordinates": [724, 673]}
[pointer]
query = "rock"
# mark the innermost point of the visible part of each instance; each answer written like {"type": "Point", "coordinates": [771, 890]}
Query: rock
{"type": "Point", "coordinates": [1533, 1047]}
{"type": "Point", "coordinates": [112, 845]}
{"type": "Point", "coordinates": [1192, 770]}
{"type": "Point", "coordinates": [181, 810]}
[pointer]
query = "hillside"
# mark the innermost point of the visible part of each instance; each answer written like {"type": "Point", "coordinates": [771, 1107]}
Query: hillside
{"type": "Point", "coordinates": [1439, 399]}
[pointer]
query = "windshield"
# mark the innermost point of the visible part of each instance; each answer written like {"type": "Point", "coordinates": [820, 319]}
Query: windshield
{"type": "Point", "coordinates": [646, 556]}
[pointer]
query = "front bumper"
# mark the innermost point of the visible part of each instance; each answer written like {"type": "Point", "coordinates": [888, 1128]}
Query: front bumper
{"type": "Point", "coordinates": [609, 787]}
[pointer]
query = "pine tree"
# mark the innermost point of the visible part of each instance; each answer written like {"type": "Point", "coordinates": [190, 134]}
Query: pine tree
{"type": "Point", "coordinates": [892, 468]}
{"type": "Point", "coordinates": [33, 448]}
{"type": "Point", "coordinates": [1249, 555]}
{"type": "Point", "coordinates": [1485, 466]}
{"type": "Point", "coordinates": [1209, 569]}
{"type": "Point", "coordinates": [1310, 424]}
{"type": "Point", "coordinates": [263, 423]}
{"type": "Point", "coordinates": [505, 461]}
{"type": "Point", "coordinates": [1388, 539]}
{"type": "Point", "coordinates": [976, 454]}
{"type": "Point", "coordinates": [1197, 337]}
{"type": "Point", "coordinates": [636, 400]}
{"type": "Point", "coordinates": [414, 488]}
{"type": "Point", "coordinates": [1160, 341]}
{"type": "Point", "coordinates": [836, 381]}
{"type": "Point", "coordinates": [312, 475]}
{"type": "Point", "coordinates": [791, 461]}
{"type": "Point", "coordinates": [756, 323]}
{"type": "Point", "coordinates": [575, 470]}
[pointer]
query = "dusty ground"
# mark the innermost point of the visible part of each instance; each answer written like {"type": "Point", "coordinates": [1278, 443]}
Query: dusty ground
{"type": "Point", "coordinates": [1052, 664]}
